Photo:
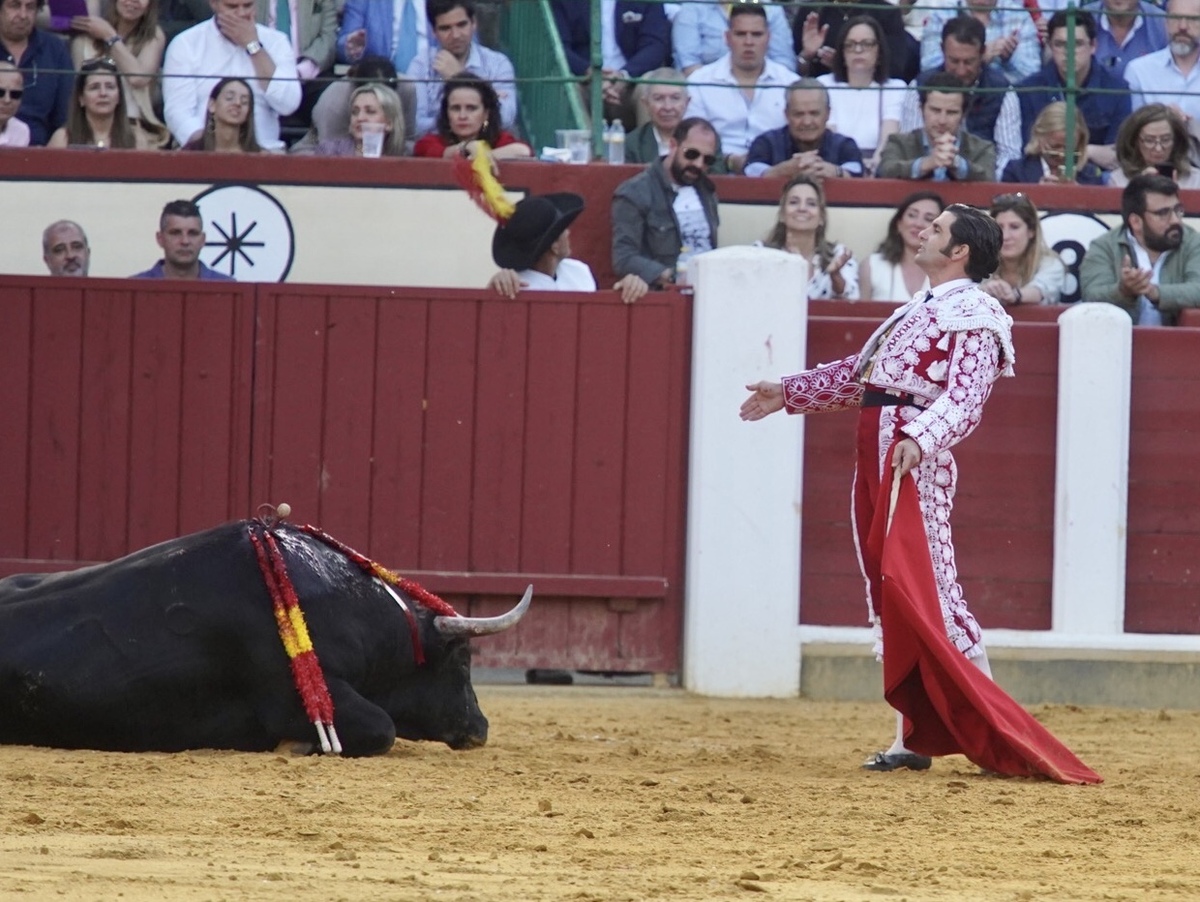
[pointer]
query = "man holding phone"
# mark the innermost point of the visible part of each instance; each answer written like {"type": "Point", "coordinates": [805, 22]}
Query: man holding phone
{"type": "Point", "coordinates": [1149, 266]}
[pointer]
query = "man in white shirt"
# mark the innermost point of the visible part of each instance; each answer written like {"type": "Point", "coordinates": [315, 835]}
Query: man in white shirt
{"type": "Point", "coordinates": [743, 94]}
{"type": "Point", "coordinates": [230, 44]}
{"type": "Point", "coordinates": [452, 51]}
{"type": "Point", "coordinates": [533, 250]}
{"type": "Point", "coordinates": [1171, 75]}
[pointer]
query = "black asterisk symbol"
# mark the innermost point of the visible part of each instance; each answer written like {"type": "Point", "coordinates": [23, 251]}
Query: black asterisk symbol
{"type": "Point", "coordinates": [233, 244]}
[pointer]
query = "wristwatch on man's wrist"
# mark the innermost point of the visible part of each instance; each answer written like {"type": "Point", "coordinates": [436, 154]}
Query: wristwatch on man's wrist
{"type": "Point", "coordinates": [253, 47]}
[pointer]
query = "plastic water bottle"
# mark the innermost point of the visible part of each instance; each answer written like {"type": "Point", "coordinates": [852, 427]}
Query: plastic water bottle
{"type": "Point", "coordinates": [682, 276]}
{"type": "Point", "coordinates": [615, 136]}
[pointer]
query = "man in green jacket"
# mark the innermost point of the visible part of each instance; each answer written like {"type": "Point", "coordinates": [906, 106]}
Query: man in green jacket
{"type": "Point", "coordinates": [1150, 265]}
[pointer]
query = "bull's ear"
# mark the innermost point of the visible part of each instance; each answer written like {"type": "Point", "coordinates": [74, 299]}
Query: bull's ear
{"type": "Point", "coordinates": [484, 626]}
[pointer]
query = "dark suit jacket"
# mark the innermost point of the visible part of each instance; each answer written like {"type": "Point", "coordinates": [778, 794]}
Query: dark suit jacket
{"type": "Point", "coordinates": [901, 150]}
{"type": "Point", "coordinates": [1028, 170]}
{"type": "Point", "coordinates": [643, 34]}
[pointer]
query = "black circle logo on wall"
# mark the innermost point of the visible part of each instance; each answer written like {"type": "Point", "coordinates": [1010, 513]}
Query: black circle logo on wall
{"type": "Point", "coordinates": [1069, 234]}
{"type": "Point", "coordinates": [248, 233]}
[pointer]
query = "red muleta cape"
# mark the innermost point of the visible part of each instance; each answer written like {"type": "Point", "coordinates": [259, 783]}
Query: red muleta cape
{"type": "Point", "coordinates": [949, 705]}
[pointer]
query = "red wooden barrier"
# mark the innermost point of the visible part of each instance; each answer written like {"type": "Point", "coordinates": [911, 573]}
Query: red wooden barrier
{"type": "Point", "coordinates": [471, 442]}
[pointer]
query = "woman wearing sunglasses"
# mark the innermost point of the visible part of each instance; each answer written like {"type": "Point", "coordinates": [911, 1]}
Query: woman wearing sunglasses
{"type": "Point", "coordinates": [1046, 153]}
{"type": "Point", "coordinates": [1153, 140]}
{"type": "Point", "coordinates": [1030, 272]}
{"type": "Point", "coordinates": [13, 132]}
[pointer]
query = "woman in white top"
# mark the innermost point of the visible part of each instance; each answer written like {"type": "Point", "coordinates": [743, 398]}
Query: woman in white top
{"type": "Point", "coordinates": [128, 33]}
{"type": "Point", "coordinates": [1030, 272]}
{"type": "Point", "coordinates": [864, 103]}
{"type": "Point", "coordinates": [892, 273]}
{"type": "Point", "coordinates": [800, 229]}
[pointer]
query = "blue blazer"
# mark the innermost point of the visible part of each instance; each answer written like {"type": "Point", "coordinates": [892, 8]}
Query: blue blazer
{"type": "Point", "coordinates": [376, 17]}
{"type": "Point", "coordinates": [1028, 170]}
{"type": "Point", "coordinates": [643, 34]}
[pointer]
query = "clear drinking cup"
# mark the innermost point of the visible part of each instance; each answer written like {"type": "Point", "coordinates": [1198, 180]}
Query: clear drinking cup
{"type": "Point", "coordinates": [372, 139]}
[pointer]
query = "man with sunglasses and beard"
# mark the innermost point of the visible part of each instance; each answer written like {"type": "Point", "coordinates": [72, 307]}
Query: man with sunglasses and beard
{"type": "Point", "coordinates": [1149, 266]}
{"type": "Point", "coordinates": [668, 212]}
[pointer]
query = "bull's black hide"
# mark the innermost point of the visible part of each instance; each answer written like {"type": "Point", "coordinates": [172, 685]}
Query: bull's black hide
{"type": "Point", "coordinates": [175, 647]}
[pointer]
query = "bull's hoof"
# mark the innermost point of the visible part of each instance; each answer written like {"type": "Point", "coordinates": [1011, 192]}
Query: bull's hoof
{"type": "Point", "coordinates": [540, 677]}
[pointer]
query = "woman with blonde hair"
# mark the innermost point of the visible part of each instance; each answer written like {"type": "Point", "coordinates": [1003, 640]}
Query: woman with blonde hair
{"type": "Point", "coordinates": [229, 122]}
{"type": "Point", "coordinates": [373, 103]}
{"type": "Point", "coordinates": [800, 229]}
{"type": "Point", "coordinates": [1030, 272]}
{"type": "Point", "coordinates": [96, 116]}
{"type": "Point", "coordinates": [1046, 153]}
{"type": "Point", "coordinates": [128, 34]}
{"type": "Point", "coordinates": [1153, 140]}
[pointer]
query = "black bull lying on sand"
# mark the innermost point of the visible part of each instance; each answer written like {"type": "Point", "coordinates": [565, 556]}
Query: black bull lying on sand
{"type": "Point", "coordinates": [177, 647]}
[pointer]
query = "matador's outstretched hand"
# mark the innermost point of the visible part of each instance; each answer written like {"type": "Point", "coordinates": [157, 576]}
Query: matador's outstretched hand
{"type": "Point", "coordinates": [767, 398]}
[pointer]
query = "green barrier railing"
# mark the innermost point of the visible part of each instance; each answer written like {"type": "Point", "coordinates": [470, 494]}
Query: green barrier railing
{"type": "Point", "coordinates": [549, 99]}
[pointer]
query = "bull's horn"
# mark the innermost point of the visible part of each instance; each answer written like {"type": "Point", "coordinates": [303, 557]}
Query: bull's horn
{"type": "Point", "coordinates": [483, 626]}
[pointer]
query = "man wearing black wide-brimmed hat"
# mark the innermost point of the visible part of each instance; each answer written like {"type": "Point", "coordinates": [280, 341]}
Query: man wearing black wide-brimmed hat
{"type": "Point", "coordinates": [533, 250]}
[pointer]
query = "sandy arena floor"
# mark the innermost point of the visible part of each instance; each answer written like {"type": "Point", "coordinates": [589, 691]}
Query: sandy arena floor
{"type": "Point", "coordinates": [608, 794]}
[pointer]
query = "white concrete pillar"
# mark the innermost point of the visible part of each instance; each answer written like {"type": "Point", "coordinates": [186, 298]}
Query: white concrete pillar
{"type": "Point", "coordinates": [740, 630]}
{"type": "Point", "coordinates": [1092, 469]}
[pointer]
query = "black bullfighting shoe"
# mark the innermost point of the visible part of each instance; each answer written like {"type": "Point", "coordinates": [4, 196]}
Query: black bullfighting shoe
{"type": "Point", "coordinates": [882, 761]}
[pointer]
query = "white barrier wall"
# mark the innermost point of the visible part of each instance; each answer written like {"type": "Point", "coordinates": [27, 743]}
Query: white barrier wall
{"type": "Point", "coordinates": [1095, 354]}
{"type": "Point", "coordinates": [743, 535]}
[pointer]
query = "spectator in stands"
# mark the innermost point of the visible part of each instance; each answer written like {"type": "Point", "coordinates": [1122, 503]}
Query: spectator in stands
{"type": "Point", "coordinates": [1102, 98]}
{"type": "Point", "coordinates": [993, 112]}
{"type": "Point", "coordinates": [97, 117]}
{"type": "Point", "coordinates": [941, 149]}
{"type": "Point", "coordinates": [892, 273]}
{"type": "Point", "coordinates": [1149, 266]}
{"type": "Point", "coordinates": [311, 27]}
{"type": "Point", "coordinates": [331, 115]}
{"type": "Point", "coordinates": [369, 103]}
{"type": "Point", "coordinates": [229, 122]}
{"type": "Point", "coordinates": [181, 237]}
{"type": "Point", "coordinates": [864, 103]}
{"type": "Point", "coordinates": [533, 250]}
{"type": "Point", "coordinates": [13, 132]}
{"type": "Point", "coordinates": [1012, 38]}
{"type": "Point", "coordinates": [742, 94]}
{"type": "Point", "coordinates": [800, 229]}
{"type": "Point", "coordinates": [65, 249]}
{"type": "Point", "coordinates": [698, 35]}
{"type": "Point", "coordinates": [469, 113]}
{"type": "Point", "coordinates": [1045, 156]}
{"type": "Point", "coordinates": [814, 33]}
{"type": "Point", "coordinates": [1126, 29]}
{"type": "Point", "coordinates": [454, 50]}
{"type": "Point", "coordinates": [1030, 272]}
{"type": "Point", "coordinates": [395, 29]}
{"type": "Point", "coordinates": [639, 40]}
{"type": "Point", "coordinates": [1171, 75]}
{"type": "Point", "coordinates": [664, 97]}
{"type": "Point", "coordinates": [231, 45]}
{"type": "Point", "coordinates": [1154, 141]}
{"type": "Point", "coordinates": [47, 98]}
{"type": "Point", "coordinates": [668, 212]}
{"type": "Point", "coordinates": [128, 35]}
{"type": "Point", "coordinates": [177, 16]}
{"type": "Point", "coordinates": [805, 146]}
